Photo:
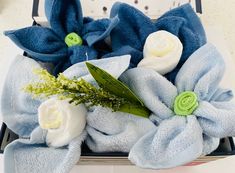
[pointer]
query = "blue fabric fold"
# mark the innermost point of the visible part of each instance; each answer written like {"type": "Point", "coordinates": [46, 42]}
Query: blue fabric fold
{"type": "Point", "coordinates": [41, 43]}
{"type": "Point", "coordinates": [33, 156]}
{"type": "Point", "coordinates": [110, 131]}
{"type": "Point", "coordinates": [30, 154]}
{"type": "Point", "coordinates": [134, 27]}
{"type": "Point", "coordinates": [19, 110]}
{"type": "Point", "coordinates": [48, 45]}
{"type": "Point", "coordinates": [177, 140]}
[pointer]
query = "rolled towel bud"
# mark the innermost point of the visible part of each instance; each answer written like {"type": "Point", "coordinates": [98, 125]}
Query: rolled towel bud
{"type": "Point", "coordinates": [162, 52]}
{"type": "Point", "coordinates": [63, 121]}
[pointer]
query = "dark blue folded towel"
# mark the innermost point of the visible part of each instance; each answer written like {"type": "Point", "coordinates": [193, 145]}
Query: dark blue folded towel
{"type": "Point", "coordinates": [129, 36]}
{"type": "Point", "coordinates": [48, 44]}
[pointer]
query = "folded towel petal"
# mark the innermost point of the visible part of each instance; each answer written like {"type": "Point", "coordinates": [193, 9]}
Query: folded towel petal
{"type": "Point", "coordinates": [222, 95]}
{"type": "Point", "coordinates": [156, 92]}
{"type": "Point", "coordinates": [19, 110]}
{"type": "Point", "coordinates": [162, 52]}
{"type": "Point", "coordinates": [174, 142]}
{"type": "Point", "coordinates": [81, 53]}
{"type": "Point", "coordinates": [216, 119]}
{"type": "Point", "coordinates": [64, 16]}
{"type": "Point", "coordinates": [113, 65]}
{"type": "Point", "coordinates": [127, 50]}
{"type": "Point", "coordinates": [41, 43]}
{"type": "Point", "coordinates": [210, 144]}
{"type": "Point", "coordinates": [202, 72]}
{"type": "Point", "coordinates": [110, 131]}
{"type": "Point", "coordinates": [75, 55]}
{"type": "Point", "coordinates": [97, 30]}
{"type": "Point", "coordinates": [33, 156]}
{"type": "Point", "coordinates": [134, 28]}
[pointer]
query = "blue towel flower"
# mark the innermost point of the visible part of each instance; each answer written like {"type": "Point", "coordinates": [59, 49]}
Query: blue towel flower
{"type": "Point", "coordinates": [190, 116]}
{"type": "Point", "coordinates": [70, 39]}
{"type": "Point", "coordinates": [129, 36]}
{"type": "Point", "coordinates": [30, 154]}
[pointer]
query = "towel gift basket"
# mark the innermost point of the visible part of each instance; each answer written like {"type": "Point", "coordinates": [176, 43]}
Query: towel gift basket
{"type": "Point", "coordinates": [101, 9]}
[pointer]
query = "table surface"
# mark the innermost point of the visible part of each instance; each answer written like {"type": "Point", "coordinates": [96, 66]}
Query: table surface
{"type": "Point", "coordinates": [12, 16]}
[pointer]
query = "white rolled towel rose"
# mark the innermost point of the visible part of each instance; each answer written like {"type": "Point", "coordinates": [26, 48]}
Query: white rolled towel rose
{"type": "Point", "coordinates": [64, 121]}
{"type": "Point", "coordinates": [162, 52]}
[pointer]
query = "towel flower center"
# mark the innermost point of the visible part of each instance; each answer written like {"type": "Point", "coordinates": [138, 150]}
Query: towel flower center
{"type": "Point", "coordinates": [73, 39]}
{"type": "Point", "coordinates": [160, 43]}
{"type": "Point", "coordinates": [50, 117]}
{"type": "Point", "coordinates": [185, 103]}
{"type": "Point", "coordinates": [162, 52]}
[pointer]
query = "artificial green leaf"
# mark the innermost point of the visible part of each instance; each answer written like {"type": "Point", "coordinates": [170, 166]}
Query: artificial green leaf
{"type": "Point", "coordinates": [109, 83]}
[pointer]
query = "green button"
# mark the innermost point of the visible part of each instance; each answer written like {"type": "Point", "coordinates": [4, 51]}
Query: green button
{"type": "Point", "coordinates": [73, 39]}
{"type": "Point", "coordinates": [185, 103]}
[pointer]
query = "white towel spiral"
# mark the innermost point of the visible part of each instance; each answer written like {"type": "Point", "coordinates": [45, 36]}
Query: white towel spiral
{"type": "Point", "coordinates": [162, 52]}
{"type": "Point", "coordinates": [62, 120]}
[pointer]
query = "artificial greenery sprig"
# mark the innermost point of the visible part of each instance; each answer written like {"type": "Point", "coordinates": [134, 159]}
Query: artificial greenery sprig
{"type": "Point", "coordinates": [76, 91]}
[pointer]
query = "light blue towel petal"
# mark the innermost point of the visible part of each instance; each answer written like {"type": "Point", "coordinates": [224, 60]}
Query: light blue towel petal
{"type": "Point", "coordinates": [202, 72]}
{"type": "Point", "coordinates": [110, 131]}
{"type": "Point", "coordinates": [210, 144]}
{"type": "Point", "coordinates": [114, 65]}
{"type": "Point", "coordinates": [216, 119]}
{"type": "Point", "coordinates": [154, 90]}
{"type": "Point", "coordinates": [19, 110]}
{"type": "Point", "coordinates": [222, 95]}
{"type": "Point", "coordinates": [176, 141]}
{"type": "Point", "coordinates": [33, 156]}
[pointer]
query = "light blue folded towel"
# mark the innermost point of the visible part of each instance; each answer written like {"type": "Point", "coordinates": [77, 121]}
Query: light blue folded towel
{"type": "Point", "coordinates": [110, 131]}
{"type": "Point", "coordinates": [33, 156]}
{"type": "Point", "coordinates": [179, 139]}
{"type": "Point", "coordinates": [30, 154]}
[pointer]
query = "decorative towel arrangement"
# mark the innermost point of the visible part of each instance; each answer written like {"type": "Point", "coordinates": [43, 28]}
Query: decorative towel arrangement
{"type": "Point", "coordinates": [114, 99]}
{"type": "Point", "coordinates": [70, 39]}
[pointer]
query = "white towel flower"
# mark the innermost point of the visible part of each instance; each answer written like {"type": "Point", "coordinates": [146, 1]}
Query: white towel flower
{"type": "Point", "coordinates": [162, 52]}
{"type": "Point", "coordinates": [63, 121]}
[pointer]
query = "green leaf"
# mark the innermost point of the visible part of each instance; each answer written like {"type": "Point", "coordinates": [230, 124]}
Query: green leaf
{"type": "Point", "coordinates": [116, 87]}
{"type": "Point", "coordinates": [134, 109]}
{"type": "Point", "coordinates": [109, 83]}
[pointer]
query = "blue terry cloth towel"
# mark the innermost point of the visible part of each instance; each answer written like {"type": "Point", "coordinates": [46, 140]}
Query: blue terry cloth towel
{"type": "Point", "coordinates": [30, 154]}
{"type": "Point", "coordinates": [178, 139]}
{"type": "Point", "coordinates": [48, 44]}
{"type": "Point", "coordinates": [129, 36]}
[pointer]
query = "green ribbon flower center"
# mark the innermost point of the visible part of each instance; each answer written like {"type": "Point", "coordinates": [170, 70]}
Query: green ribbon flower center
{"type": "Point", "coordinates": [185, 103]}
{"type": "Point", "coordinates": [72, 39]}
